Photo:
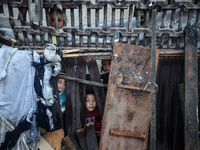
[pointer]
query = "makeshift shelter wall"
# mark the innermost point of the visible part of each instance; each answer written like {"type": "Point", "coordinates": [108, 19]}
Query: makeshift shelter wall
{"type": "Point", "coordinates": [170, 124]}
{"type": "Point", "coordinates": [136, 29]}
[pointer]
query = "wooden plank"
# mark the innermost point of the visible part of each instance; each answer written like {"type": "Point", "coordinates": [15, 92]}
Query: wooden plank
{"type": "Point", "coordinates": [179, 1]}
{"type": "Point", "coordinates": [153, 80]}
{"type": "Point", "coordinates": [105, 9]}
{"type": "Point", "coordinates": [69, 143]}
{"type": "Point", "coordinates": [80, 24]}
{"type": "Point", "coordinates": [80, 94]}
{"type": "Point", "coordinates": [83, 81]}
{"type": "Point", "coordinates": [191, 89]}
{"type": "Point", "coordinates": [75, 95]}
{"type": "Point", "coordinates": [70, 98]}
{"type": "Point", "coordinates": [81, 138]}
{"type": "Point", "coordinates": [91, 138]}
{"type": "Point", "coordinates": [55, 138]}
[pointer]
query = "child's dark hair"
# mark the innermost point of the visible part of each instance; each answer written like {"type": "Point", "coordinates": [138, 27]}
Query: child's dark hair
{"type": "Point", "coordinates": [89, 90]}
{"type": "Point", "coordinates": [58, 11]}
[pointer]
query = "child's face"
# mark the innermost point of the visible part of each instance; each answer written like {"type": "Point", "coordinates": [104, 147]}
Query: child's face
{"type": "Point", "coordinates": [60, 20]}
{"type": "Point", "coordinates": [61, 85]}
{"type": "Point", "coordinates": [106, 65]}
{"type": "Point", "coordinates": [90, 102]}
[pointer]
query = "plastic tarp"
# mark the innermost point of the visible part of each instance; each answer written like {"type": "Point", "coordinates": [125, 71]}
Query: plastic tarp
{"type": "Point", "coordinates": [17, 87]}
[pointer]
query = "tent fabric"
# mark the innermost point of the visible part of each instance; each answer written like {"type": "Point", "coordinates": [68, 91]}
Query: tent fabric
{"type": "Point", "coordinates": [17, 88]}
{"type": "Point", "coordinates": [5, 55]}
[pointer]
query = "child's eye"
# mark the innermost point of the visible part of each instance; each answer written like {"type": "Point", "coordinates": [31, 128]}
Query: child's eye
{"type": "Point", "coordinates": [52, 20]}
{"type": "Point", "coordinates": [94, 100]}
{"type": "Point", "coordinates": [87, 100]}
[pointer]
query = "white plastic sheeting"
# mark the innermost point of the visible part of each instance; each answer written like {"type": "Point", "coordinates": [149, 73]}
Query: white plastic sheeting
{"type": "Point", "coordinates": [17, 88]}
{"type": "Point", "coordinates": [5, 56]}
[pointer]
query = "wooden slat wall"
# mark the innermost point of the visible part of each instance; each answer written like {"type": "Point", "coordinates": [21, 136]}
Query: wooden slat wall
{"type": "Point", "coordinates": [75, 96]}
{"type": "Point", "coordinates": [137, 8]}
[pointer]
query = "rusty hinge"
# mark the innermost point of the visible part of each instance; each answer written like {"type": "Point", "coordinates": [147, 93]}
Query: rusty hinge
{"type": "Point", "coordinates": [126, 133]}
{"type": "Point", "coordinates": [115, 56]}
{"type": "Point", "coordinates": [132, 87]}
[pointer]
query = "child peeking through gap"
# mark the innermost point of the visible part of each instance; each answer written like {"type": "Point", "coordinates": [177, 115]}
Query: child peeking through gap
{"type": "Point", "coordinates": [106, 64]}
{"type": "Point", "coordinates": [62, 93]}
{"type": "Point", "coordinates": [92, 113]}
{"type": "Point", "coordinates": [60, 18]}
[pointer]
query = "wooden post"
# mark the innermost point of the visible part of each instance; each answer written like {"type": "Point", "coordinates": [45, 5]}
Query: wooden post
{"type": "Point", "coordinates": [153, 80]}
{"type": "Point", "coordinates": [81, 138]}
{"type": "Point", "coordinates": [191, 90]}
{"type": "Point", "coordinates": [75, 96]}
{"type": "Point", "coordinates": [91, 138]}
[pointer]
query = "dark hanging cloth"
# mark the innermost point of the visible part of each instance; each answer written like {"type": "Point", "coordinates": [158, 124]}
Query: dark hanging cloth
{"type": "Point", "coordinates": [105, 78]}
{"type": "Point", "coordinates": [39, 74]}
{"type": "Point", "coordinates": [12, 137]}
{"type": "Point", "coordinates": [41, 116]}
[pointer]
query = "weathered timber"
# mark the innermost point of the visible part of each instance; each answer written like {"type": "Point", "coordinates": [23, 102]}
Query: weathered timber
{"type": "Point", "coordinates": [80, 70]}
{"type": "Point", "coordinates": [88, 54]}
{"type": "Point", "coordinates": [69, 143]}
{"type": "Point", "coordinates": [70, 98]}
{"type": "Point", "coordinates": [91, 138]}
{"type": "Point", "coordinates": [54, 138]}
{"type": "Point", "coordinates": [75, 95]}
{"type": "Point", "coordinates": [81, 138]}
{"type": "Point", "coordinates": [191, 90]}
{"type": "Point", "coordinates": [83, 81]}
{"type": "Point", "coordinates": [153, 81]}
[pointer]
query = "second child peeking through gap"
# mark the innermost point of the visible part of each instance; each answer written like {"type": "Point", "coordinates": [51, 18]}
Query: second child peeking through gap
{"type": "Point", "coordinates": [92, 113]}
{"type": "Point", "coordinates": [62, 93]}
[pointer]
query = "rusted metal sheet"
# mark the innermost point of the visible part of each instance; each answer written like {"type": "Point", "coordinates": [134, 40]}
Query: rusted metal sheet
{"type": "Point", "coordinates": [128, 109]}
{"type": "Point", "coordinates": [191, 90]}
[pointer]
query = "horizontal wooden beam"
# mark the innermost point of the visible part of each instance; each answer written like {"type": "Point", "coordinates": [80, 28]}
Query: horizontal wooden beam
{"type": "Point", "coordinates": [107, 55]}
{"type": "Point", "coordinates": [82, 81]}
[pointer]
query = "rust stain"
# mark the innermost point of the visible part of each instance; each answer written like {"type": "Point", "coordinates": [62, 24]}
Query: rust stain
{"type": "Point", "coordinates": [127, 105]}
